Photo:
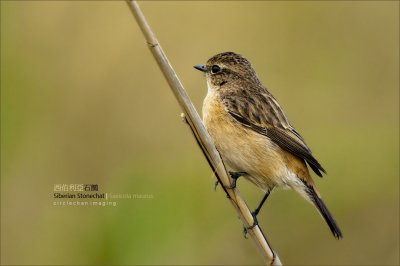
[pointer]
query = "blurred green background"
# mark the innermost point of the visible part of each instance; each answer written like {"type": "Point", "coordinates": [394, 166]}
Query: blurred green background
{"type": "Point", "coordinates": [83, 101]}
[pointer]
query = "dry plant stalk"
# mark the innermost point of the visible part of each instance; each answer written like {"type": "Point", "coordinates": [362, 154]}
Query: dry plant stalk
{"type": "Point", "coordinates": [192, 118]}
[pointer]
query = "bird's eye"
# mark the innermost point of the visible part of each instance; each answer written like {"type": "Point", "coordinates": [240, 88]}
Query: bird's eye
{"type": "Point", "coordinates": [215, 69]}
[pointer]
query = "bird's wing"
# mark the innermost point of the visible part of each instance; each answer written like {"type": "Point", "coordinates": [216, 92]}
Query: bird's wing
{"type": "Point", "coordinates": [260, 112]}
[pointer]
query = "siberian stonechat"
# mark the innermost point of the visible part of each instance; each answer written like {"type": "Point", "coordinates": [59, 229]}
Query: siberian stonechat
{"type": "Point", "coordinates": [253, 135]}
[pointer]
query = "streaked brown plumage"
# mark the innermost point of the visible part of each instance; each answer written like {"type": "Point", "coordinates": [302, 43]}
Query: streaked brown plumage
{"type": "Point", "coordinates": [252, 133]}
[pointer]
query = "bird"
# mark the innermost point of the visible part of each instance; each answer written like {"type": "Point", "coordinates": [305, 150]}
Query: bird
{"type": "Point", "coordinates": [253, 135]}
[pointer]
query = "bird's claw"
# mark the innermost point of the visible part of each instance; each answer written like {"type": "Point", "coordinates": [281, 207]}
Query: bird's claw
{"type": "Point", "coordinates": [234, 177]}
{"type": "Point", "coordinates": [255, 223]}
{"type": "Point", "coordinates": [216, 185]}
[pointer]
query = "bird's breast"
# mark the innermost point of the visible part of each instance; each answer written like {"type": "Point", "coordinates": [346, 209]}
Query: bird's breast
{"type": "Point", "coordinates": [241, 148]}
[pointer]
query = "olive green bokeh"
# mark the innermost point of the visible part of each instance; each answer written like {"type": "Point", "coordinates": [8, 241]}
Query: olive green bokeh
{"type": "Point", "coordinates": [83, 101]}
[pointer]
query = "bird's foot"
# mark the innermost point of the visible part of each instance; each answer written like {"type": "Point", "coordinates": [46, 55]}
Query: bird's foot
{"type": "Point", "coordinates": [247, 228]}
{"type": "Point", "coordinates": [255, 223]}
{"type": "Point", "coordinates": [234, 176]}
{"type": "Point", "coordinates": [216, 185]}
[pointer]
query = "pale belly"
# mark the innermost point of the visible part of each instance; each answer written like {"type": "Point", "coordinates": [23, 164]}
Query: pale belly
{"type": "Point", "coordinates": [244, 150]}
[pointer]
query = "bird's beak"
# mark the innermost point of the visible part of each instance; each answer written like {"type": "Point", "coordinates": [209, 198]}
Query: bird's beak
{"type": "Point", "coordinates": [200, 67]}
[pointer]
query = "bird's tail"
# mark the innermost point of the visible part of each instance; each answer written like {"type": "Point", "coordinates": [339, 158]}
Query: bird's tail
{"type": "Point", "coordinates": [323, 210]}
